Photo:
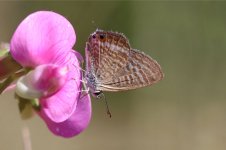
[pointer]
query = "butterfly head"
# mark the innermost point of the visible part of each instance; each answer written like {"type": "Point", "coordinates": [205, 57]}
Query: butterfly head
{"type": "Point", "coordinates": [98, 36]}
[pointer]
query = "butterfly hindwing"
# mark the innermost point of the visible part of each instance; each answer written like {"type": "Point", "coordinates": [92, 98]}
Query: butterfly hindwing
{"type": "Point", "coordinates": [140, 71]}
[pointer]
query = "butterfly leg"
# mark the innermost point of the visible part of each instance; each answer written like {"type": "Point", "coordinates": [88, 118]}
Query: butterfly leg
{"type": "Point", "coordinates": [101, 95]}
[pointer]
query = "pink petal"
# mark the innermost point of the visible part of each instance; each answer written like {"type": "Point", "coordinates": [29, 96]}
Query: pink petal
{"type": "Point", "coordinates": [77, 122]}
{"type": "Point", "coordinates": [42, 37]}
{"type": "Point", "coordinates": [48, 78]}
{"type": "Point", "coordinates": [62, 104]}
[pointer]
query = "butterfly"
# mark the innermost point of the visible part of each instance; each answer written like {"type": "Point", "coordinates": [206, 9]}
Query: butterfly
{"type": "Point", "coordinates": [113, 65]}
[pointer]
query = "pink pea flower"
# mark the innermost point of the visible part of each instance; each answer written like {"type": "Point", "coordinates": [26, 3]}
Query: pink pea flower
{"type": "Point", "coordinates": [43, 41]}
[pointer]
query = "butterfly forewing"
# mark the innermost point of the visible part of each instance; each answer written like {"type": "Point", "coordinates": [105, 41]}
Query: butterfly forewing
{"type": "Point", "coordinates": [109, 54]}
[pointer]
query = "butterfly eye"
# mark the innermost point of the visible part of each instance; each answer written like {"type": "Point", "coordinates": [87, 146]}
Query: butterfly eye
{"type": "Point", "coordinates": [94, 36]}
{"type": "Point", "coordinates": [102, 36]}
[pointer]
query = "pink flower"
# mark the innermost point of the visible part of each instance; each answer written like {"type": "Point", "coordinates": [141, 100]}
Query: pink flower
{"type": "Point", "coordinates": [43, 41]}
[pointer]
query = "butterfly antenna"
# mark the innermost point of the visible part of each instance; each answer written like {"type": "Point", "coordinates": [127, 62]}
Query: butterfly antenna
{"type": "Point", "coordinates": [106, 104]}
{"type": "Point", "coordinates": [94, 24]}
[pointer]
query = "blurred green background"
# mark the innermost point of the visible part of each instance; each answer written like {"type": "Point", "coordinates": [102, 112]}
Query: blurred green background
{"type": "Point", "coordinates": [185, 111]}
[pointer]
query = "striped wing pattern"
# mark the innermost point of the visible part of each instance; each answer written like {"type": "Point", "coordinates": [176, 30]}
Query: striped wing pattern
{"type": "Point", "coordinates": [116, 66]}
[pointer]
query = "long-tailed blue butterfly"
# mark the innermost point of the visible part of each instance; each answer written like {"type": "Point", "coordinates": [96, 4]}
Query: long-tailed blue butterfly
{"type": "Point", "coordinates": [113, 65]}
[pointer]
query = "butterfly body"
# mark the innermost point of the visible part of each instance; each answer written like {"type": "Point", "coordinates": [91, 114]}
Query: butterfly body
{"type": "Point", "coordinates": [112, 65]}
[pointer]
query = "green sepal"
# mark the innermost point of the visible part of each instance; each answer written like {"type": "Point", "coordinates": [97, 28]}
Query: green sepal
{"type": "Point", "coordinates": [4, 53]}
{"type": "Point", "coordinates": [35, 104]}
{"type": "Point", "coordinates": [27, 107]}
